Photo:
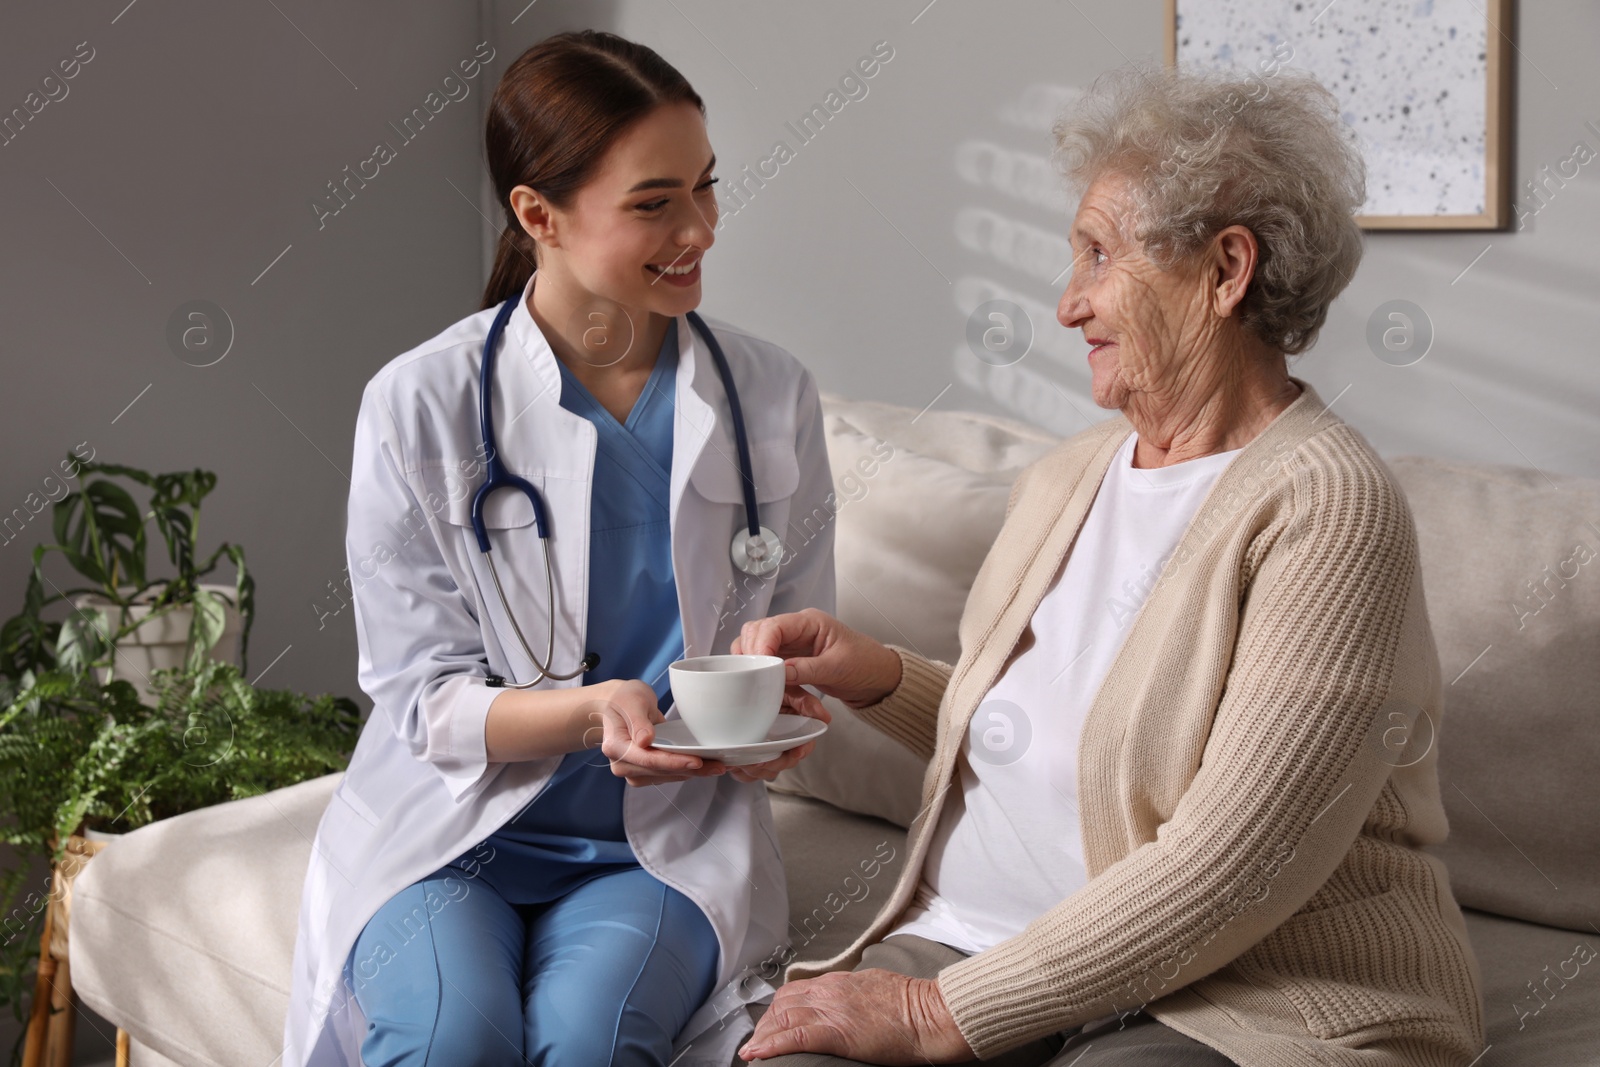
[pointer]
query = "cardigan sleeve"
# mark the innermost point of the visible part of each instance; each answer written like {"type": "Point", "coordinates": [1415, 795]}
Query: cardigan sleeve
{"type": "Point", "coordinates": [1286, 780]}
{"type": "Point", "coordinates": [910, 713]}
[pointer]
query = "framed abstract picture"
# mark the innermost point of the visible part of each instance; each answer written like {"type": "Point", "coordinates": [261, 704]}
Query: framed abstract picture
{"type": "Point", "coordinates": [1425, 85]}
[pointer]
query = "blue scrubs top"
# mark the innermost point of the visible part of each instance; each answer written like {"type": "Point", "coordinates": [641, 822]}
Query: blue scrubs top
{"type": "Point", "coordinates": [572, 831]}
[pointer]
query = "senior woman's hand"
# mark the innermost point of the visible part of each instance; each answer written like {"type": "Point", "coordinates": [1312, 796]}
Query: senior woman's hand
{"type": "Point", "coordinates": [823, 652]}
{"type": "Point", "coordinates": [873, 1015]}
{"type": "Point", "coordinates": [839, 661]}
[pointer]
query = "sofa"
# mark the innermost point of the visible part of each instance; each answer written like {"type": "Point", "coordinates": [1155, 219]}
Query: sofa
{"type": "Point", "coordinates": [182, 932]}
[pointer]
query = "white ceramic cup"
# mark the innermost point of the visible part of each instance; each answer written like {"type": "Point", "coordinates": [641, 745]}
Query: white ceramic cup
{"type": "Point", "coordinates": [728, 700]}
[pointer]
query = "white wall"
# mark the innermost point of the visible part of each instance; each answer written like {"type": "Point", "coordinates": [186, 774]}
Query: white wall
{"type": "Point", "coordinates": [853, 258]}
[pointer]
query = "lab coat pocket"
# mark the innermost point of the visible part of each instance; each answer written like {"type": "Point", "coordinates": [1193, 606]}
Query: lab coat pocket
{"type": "Point", "coordinates": [773, 465]}
{"type": "Point", "coordinates": [359, 806]}
{"type": "Point", "coordinates": [508, 518]}
{"type": "Point", "coordinates": [450, 496]}
{"type": "Point", "coordinates": [344, 836]}
{"type": "Point", "coordinates": [504, 509]}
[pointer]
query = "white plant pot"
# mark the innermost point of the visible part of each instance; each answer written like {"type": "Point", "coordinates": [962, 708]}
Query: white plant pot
{"type": "Point", "coordinates": [160, 643]}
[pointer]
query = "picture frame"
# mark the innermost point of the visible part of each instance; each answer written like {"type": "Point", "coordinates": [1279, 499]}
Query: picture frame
{"type": "Point", "coordinates": [1449, 168]}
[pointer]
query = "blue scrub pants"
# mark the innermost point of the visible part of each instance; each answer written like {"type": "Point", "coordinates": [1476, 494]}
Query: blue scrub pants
{"type": "Point", "coordinates": [449, 974]}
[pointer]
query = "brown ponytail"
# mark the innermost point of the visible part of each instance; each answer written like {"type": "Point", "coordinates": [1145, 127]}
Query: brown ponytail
{"type": "Point", "coordinates": [557, 110]}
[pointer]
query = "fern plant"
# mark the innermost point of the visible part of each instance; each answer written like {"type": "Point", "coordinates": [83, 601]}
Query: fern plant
{"type": "Point", "coordinates": [77, 754]}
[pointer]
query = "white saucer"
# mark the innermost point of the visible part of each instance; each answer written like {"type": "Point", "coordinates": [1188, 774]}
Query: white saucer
{"type": "Point", "coordinates": [789, 731]}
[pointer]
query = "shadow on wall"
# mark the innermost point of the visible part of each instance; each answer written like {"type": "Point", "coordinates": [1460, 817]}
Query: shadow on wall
{"type": "Point", "coordinates": [1014, 351]}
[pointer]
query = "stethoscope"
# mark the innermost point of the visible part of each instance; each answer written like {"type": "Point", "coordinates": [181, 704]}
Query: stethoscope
{"type": "Point", "coordinates": [756, 550]}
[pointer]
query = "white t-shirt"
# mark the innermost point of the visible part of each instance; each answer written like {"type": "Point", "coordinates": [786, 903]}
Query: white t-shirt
{"type": "Point", "coordinates": [1009, 847]}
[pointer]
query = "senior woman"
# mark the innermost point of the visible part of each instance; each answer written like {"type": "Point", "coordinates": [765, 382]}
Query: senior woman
{"type": "Point", "coordinates": [1204, 621]}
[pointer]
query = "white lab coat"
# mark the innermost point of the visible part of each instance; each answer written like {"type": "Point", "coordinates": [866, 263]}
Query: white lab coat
{"type": "Point", "coordinates": [419, 791]}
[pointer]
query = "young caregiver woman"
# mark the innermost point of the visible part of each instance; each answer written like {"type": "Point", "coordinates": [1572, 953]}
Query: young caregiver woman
{"type": "Point", "coordinates": [485, 888]}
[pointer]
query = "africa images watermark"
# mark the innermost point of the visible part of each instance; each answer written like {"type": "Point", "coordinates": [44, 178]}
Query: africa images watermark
{"type": "Point", "coordinates": [1237, 901]}
{"type": "Point", "coordinates": [55, 489]}
{"type": "Point", "coordinates": [1582, 955]}
{"type": "Point", "coordinates": [1216, 516]}
{"type": "Point", "coordinates": [804, 529]}
{"type": "Point", "coordinates": [852, 87]}
{"type": "Point", "coordinates": [412, 524]}
{"type": "Point", "coordinates": [52, 90]}
{"type": "Point", "coordinates": [1226, 111]}
{"type": "Point", "coordinates": [453, 89]}
{"type": "Point", "coordinates": [853, 889]}
{"type": "Point", "coordinates": [1541, 591]}
{"type": "Point", "coordinates": [402, 930]}
{"type": "Point", "coordinates": [1544, 186]}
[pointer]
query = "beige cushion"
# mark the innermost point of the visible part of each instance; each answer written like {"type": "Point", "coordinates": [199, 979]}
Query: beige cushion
{"type": "Point", "coordinates": [913, 530]}
{"type": "Point", "coordinates": [839, 868]}
{"type": "Point", "coordinates": [183, 931]}
{"type": "Point", "coordinates": [1557, 1026]}
{"type": "Point", "coordinates": [1520, 743]}
{"type": "Point", "coordinates": [856, 768]}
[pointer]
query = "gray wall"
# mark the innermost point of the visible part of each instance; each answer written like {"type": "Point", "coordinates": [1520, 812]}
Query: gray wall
{"type": "Point", "coordinates": [179, 166]}
{"type": "Point", "coordinates": [186, 155]}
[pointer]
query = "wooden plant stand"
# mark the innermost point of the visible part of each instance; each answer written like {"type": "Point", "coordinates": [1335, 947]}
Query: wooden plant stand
{"type": "Point", "coordinates": [50, 1024]}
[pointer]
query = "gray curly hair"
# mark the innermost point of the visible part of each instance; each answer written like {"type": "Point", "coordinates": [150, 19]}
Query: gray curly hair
{"type": "Point", "coordinates": [1203, 151]}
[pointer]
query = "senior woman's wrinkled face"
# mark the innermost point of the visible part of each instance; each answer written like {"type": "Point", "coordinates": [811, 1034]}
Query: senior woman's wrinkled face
{"type": "Point", "coordinates": [1144, 322]}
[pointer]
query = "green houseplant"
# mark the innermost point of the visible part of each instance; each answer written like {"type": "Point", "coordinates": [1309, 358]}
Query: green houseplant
{"type": "Point", "coordinates": [84, 749]}
{"type": "Point", "coordinates": [101, 533]}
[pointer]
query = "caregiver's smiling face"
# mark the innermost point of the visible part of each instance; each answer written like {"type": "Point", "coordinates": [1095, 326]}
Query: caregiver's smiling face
{"type": "Point", "coordinates": [1146, 325]}
{"type": "Point", "coordinates": [636, 231]}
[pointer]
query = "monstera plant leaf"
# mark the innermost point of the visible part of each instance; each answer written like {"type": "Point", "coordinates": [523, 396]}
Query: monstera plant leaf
{"type": "Point", "coordinates": [84, 640]}
{"type": "Point", "coordinates": [206, 625]}
{"type": "Point", "coordinates": [100, 530]}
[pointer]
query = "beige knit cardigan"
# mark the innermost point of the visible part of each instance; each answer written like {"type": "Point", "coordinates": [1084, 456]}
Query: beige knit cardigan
{"type": "Point", "coordinates": [1254, 791]}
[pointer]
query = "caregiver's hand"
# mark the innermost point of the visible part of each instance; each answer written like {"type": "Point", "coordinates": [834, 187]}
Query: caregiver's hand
{"type": "Point", "coordinates": [875, 1016]}
{"type": "Point", "coordinates": [623, 715]}
{"type": "Point", "coordinates": [822, 651]}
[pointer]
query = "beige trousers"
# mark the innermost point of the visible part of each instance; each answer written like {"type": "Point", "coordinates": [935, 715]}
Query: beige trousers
{"type": "Point", "coordinates": [1135, 1041]}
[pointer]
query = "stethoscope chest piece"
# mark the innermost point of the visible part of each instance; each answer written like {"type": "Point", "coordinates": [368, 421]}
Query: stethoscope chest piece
{"type": "Point", "coordinates": [758, 553]}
